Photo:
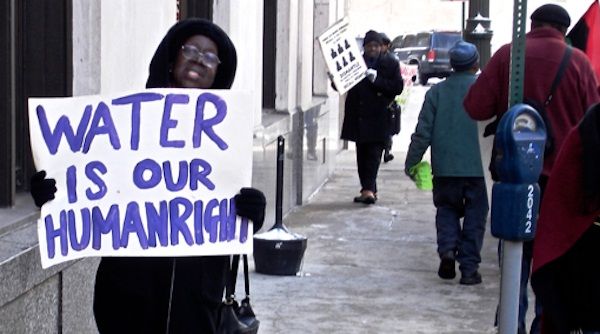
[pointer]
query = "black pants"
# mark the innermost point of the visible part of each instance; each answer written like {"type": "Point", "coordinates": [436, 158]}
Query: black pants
{"type": "Point", "coordinates": [526, 261]}
{"type": "Point", "coordinates": [569, 287]}
{"type": "Point", "coordinates": [133, 295]}
{"type": "Point", "coordinates": [368, 159]}
{"type": "Point", "coordinates": [456, 197]}
{"type": "Point", "coordinates": [388, 145]}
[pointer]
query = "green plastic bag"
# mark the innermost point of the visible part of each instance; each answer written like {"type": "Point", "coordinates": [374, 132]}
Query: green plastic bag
{"type": "Point", "coordinates": [423, 176]}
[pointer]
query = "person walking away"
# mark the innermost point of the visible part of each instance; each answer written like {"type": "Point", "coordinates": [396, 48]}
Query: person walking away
{"type": "Point", "coordinates": [459, 189]}
{"type": "Point", "coordinates": [164, 294]}
{"type": "Point", "coordinates": [366, 119]}
{"type": "Point", "coordinates": [578, 89]}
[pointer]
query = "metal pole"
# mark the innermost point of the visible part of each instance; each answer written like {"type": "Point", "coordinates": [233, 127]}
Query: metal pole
{"type": "Point", "coordinates": [512, 251]}
{"type": "Point", "coordinates": [279, 183]}
{"type": "Point", "coordinates": [517, 54]}
{"type": "Point", "coordinates": [462, 21]}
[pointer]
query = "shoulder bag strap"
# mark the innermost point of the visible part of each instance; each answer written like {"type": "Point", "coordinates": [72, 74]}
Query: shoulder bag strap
{"type": "Point", "coordinates": [231, 277]}
{"type": "Point", "coordinates": [246, 276]}
{"type": "Point", "coordinates": [561, 70]}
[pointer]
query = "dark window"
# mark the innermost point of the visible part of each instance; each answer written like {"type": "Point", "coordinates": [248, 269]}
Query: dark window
{"type": "Point", "coordinates": [397, 42]}
{"type": "Point", "coordinates": [445, 39]}
{"type": "Point", "coordinates": [7, 160]}
{"type": "Point", "coordinates": [409, 41]}
{"type": "Point", "coordinates": [195, 8]}
{"type": "Point", "coordinates": [423, 39]}
{"type": "Point", "coordinates": [36, 37]}
{"type": "Point", "coordinates": [269, 43]}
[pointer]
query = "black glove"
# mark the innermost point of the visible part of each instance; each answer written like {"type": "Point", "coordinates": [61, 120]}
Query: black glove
{"type": "Point", "coordinates": [490, 129]}
{"type": "Point", "coordinates": [42, 189]}
{"type": "Point", "coordinates": [250, 203]}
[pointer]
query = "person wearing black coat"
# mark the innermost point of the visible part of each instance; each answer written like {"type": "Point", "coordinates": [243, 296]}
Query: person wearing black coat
{"type": "Point", "coordinates": [165, 294]}
{"type": "Point", "coordinates": [367, 119]}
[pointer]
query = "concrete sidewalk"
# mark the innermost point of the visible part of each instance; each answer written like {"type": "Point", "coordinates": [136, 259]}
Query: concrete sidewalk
{"type": "Point", "coordinates": [373, 269]}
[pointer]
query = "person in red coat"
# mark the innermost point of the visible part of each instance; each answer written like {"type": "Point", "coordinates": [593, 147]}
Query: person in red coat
{"type": "Point", "coordinates": [577, 90]}
{"type": "Point", "coordinates": [566, 253]}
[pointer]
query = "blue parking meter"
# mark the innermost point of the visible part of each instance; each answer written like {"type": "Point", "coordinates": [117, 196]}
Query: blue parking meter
{"type": "Point", "coordinates": [519, 145]}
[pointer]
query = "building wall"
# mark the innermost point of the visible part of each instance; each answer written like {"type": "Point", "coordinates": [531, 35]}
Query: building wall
{"type": "Point", "coordinates": [242, 20]}
{"type": "Point", "coordinates": [130, 32]}
{"type": "Point", "coordinates": [86, 46]}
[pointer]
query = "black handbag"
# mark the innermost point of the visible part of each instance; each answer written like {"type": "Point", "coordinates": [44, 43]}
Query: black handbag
{"type": "Point", "coordinates": [394, 110]}
{"type": "Point", "coordinates": [237, 318]}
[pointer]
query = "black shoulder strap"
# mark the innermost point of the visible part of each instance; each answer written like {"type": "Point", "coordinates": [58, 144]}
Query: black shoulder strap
{"type": "Point", "coordinates": [246, 276]}
{"type": "Point", "coordinates": [232, 277]}
{"type": "Point", "coordinates": [561, 70]}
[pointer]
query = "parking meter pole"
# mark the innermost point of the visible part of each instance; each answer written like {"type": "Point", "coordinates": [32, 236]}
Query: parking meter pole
{"type": "Point", "coordinates": [517, 53]}
{"type": "Point", "coordinates": [512, 251]}
{"type": "Point", "coordinates": [509, 286]}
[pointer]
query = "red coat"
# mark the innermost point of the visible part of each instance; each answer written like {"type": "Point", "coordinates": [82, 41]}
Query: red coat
{"type": "Point", "coordinates": [562, 219]}
{"type": "Point", "coordinates": [544, 50]}
{"type": "Point", "coordinates": [566, 249]}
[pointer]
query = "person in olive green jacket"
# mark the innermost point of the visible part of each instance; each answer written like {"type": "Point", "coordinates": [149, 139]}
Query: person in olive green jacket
{"type": "Point", "coordinates": [458, 181]}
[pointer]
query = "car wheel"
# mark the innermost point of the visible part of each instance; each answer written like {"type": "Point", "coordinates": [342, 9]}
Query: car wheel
{"type": "Point", "coordinates": [423, 78]}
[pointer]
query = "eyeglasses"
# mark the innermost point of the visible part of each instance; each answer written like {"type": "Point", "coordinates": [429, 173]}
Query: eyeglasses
{"type": "Point", "coordinates": [208, 58]}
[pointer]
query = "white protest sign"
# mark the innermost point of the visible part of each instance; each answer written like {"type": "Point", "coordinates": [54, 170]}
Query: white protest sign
{"type": "Point", "coordinates": [342, 56]}
{"type": "Point", "coordinates": [144, 173]}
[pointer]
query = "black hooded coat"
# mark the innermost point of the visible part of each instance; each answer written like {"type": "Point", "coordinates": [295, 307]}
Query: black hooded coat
{"type": "Point", "coordinates": [133, 294]}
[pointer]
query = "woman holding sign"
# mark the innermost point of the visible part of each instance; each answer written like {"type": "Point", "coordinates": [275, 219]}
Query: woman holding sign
{"type": "Point", "coordinates": [162, 294]}
{"type": "Point", "coordinates": [366, 119]}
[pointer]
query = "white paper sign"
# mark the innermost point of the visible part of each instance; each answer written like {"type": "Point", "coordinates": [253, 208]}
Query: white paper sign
{"type": "Point", "coordinates": [342, 56]}
{"type": "Point", "coordinates": [144, 173]}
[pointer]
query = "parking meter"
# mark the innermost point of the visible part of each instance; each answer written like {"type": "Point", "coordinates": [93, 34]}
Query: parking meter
{"type": "Point", "coordinates": [519, 145]}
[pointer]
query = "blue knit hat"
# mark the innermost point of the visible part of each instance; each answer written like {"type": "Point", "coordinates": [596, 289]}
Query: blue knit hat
{"type": "Point", "coordinates": [463, 56]}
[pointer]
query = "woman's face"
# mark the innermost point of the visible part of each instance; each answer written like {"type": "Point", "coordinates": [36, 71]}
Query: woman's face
{"type": "Point", "coordinates": [372, 49]}
{"type": "Point", "coordinates": [196, 63]}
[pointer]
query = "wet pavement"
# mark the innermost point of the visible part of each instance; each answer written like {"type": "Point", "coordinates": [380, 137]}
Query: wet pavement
{"type": "Point", "coordinates": [373, 268]}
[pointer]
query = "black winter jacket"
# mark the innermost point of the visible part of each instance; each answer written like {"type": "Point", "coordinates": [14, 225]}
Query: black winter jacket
{"type": "Point", "coordinates": [366, 116]}
{"type": "Point", "coordinates": [145, 295]}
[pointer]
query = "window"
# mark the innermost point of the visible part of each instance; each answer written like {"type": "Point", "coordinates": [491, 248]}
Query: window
{"type": "Point", "coordinates": [409, 41]}
{"type": "Point", "coordinates": [35, 38]}
{"type": "Point", "coordinates": [423, 39]}
{"type": "Point", "coordinates": [194, 8]}
{"type": "Point", "coordinates": [269, 53]}
{"type": "Point", "coordinates": [446, 39]}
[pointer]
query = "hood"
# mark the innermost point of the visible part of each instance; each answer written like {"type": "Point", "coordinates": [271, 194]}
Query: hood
{"type": "Point", "coordinates": [164, 57]}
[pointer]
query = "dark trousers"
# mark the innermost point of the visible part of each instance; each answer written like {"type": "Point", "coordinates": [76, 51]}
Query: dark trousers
{"type": "Point", "coordinates": [525, 274]}
{"type": "Point", "coordinates": [368, 159]}
{"type": "Point", "coordinates": [454, 198]}
{"type": "Point", "coordinates": [388, 145]}
{"type": "Point", "coordinates": [133, 295]}
{"type": "Point", "coordinates": [569, 287]}
{"type": "Point", "coordinates": [526, 262]}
